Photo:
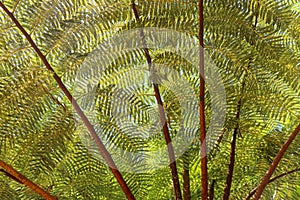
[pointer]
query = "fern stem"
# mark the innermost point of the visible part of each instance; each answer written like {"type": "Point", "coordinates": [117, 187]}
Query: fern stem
{"type": "Point", "coordinates": [260, 188]}
{"type": "Point", "coordinates": [272, 180]}
{"type": "Point", "coordinates": [227, 187]}
{"type": "Point", "coordinates": [14, 174]}
{"type": "Point", "coordinates": [212, 190]}
{"type": "Point", "coordinates": [186, 177]}
{"type": "Point", "coordinates": [204, 173]}
{"type": "Point", "coordinates": [162, 114]}
{"type": "Point", "coordinates": [232, 158]}
{"type": "Point", "coordinates": [231, 166]}
{"type": "Point", "coordinates": [103, 151]}
{"type": "Point", "coordinates": [275, 163]}
{"type": "Point", "coordinates": [172, 165]}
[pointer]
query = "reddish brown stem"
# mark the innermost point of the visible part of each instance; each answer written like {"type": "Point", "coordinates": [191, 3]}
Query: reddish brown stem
{"type": "Point", "coordinates": [272, 180]}
{"type": "Point", "coordinates": [14, 174]}
{"type": "Point", "coordinates": [212, 190]}
{"type": "Point", "coordinates": [172, 165]}
{"type": "Point", "coordinates": [204, 177]}
{"type": "Point", "coordinates": [282, 175]}
{"type": "Point", "coordinates": [162, 114]}
{"type": "Point", "coordinates": [232, 152]}
{"type": "Point", "coordinates": [10, 176]}
{"type": "Point", "coordinates": [230, 167]}
{"type": "Point", "coordinates": [275, 163]}
{"type": "Point", "coordinates": [186, 179]}
{"type": "Point", "coordinates": [103, 151]}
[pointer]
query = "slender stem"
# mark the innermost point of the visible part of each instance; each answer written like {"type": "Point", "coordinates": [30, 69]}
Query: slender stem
{"type": "Point", "coordinates": [204, 173]}
{"type": "Point", "coordinates": [186, 178]}
{"type": "Point", "coordinates": [212, 190]}
{"type": "Point", "coordinates": [228, 184]}
{"type": "Point", "coordinates": [14, 174]}
{"type": "Point", "coordinates": [103, 151]}
{"type": "Point", "coordinates": [272, 180]}
{"type": "Point", "coordinates": [162, 114]}
{"type": "Point", "coordinates": [233, 146]}
{"type": "Point", "coordinates": [282, 175]}
{"type": "Point", "coordinates": [172, 165]}
{"type": "Point", "coordinates": [15, 6]}
{"type": "Point", "coordinates": [218, 142]}
{"type": "Point", "coordinates": [231, 165]}
{"type": "Point", "coordinates": [10, 176]}
{"type": "Point", "coordinates": [275, 163]}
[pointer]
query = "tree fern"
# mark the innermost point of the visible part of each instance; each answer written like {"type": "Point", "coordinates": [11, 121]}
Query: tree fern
{"type": "Point", "coordinates": [252, 43]}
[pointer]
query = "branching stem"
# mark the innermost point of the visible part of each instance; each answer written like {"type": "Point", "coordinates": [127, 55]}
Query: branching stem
{"type": "Point", "coordinates": [275, 163]}
{"type": "Point", "coordinates": [272, 180]}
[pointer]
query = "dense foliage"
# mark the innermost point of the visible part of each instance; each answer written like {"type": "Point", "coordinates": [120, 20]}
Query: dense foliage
{"type": "Point", "coordinates": [254, 43]}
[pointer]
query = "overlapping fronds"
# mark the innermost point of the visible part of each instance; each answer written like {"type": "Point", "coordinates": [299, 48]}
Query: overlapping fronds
{"type": "Point", "coordinates": [254, 44]}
